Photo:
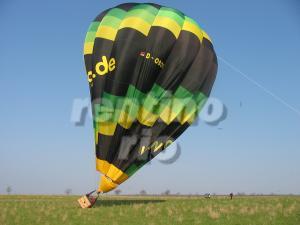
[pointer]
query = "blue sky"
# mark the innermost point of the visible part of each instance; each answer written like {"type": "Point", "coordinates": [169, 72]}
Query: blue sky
{"type": "Point", "coordinates": [42, 72]}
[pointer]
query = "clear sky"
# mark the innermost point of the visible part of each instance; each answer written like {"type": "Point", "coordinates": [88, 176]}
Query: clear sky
{"type": "Point", "coordinates": [42, 71]}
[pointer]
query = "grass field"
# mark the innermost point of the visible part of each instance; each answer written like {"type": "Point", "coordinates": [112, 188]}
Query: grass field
{"type": "Point", "coordinates": [61, 210]}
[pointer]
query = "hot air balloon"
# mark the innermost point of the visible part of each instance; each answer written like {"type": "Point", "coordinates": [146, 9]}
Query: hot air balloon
{"type": "Point", "coordinates": [150, 69]}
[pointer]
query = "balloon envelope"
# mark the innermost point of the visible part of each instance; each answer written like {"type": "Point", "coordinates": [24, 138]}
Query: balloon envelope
{"type": "Point", "coordinates": [150, 69]}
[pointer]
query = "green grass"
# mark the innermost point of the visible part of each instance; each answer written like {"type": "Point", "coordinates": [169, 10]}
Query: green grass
{"type": "Point", "coordinates": [61, 210]}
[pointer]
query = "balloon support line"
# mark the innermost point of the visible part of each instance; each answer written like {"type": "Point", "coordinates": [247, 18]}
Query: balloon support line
{"type": "Point", "coordinates": [267, 91]}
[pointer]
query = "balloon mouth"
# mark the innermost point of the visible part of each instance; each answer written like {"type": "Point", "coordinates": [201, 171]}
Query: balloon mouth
{"type": "Point", "coordinates": [112, 176]}
{"type": "Point", "coordinates": [106, 184]}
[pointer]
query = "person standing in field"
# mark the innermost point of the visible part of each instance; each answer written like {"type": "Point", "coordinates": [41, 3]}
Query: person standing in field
{"type": "Point", "coordinates": [231, 195]}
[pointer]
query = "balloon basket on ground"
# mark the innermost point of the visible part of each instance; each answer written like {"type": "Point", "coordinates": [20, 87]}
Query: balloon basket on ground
{"type": "Point", "coordinates": [88, 200]}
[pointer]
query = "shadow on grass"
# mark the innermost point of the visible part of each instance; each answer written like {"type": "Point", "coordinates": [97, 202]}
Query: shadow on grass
{"type": "Point", "coordinates": [109, 203]}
